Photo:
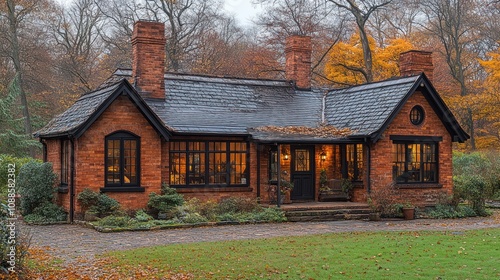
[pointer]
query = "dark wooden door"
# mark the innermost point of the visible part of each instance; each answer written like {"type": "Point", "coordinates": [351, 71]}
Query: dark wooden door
{"type": "Point", "coordinates": [302, 172]}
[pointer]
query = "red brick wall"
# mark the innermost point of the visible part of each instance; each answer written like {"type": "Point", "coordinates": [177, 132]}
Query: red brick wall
{"type": "Point", "coordinates": [382, 156]}
{"type": "Point", "coordinates": [89, 153]}
{"type": "Point", "coordinates": [54, 157]}
{"type": "Point", "coordinates": [148, 63]}
{"type": "Point", "coordinates": [415, 62]}
{"type": "Point", "coordinates": [298, 60]}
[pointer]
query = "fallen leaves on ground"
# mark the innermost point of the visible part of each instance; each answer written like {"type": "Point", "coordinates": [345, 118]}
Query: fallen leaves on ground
{"type": "Point", "coordinates": [46, 267]}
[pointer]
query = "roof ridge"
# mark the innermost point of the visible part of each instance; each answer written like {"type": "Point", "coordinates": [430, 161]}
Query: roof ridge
{"type": "Point", "coordinates": [100, 90]}
{"type": "Point", "coordinates": [399, 80]}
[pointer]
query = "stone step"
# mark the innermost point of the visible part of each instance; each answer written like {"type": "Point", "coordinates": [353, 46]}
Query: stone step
{"type": "Point", "coordinates": [327, 215]}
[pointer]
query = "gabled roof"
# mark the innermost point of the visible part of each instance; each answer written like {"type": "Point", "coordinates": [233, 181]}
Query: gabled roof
{"type": "Point", "coordinates": [368, 109]}
{"type": "Point", "coordinates": [74, 121]}
{"type": "Point", "coordinates": [266, 110]}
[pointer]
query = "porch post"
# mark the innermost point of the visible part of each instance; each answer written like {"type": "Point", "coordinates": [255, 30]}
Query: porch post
{"type": "Point", "coordinates": [258, 171]}
{"type": "Point", "coordinates": [278, 188]}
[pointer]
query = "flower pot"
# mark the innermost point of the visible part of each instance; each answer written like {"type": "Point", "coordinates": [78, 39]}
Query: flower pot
{"type": "Point", "coordinates": [409, 213]}
{"type": "Point", "coordinates": [374, 216]}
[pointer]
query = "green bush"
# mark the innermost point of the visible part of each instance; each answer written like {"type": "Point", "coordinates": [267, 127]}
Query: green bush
{"type": "Point", "coordinates": [105, 206]}
{"type": "Point", "coordinates": [5, 160]}
{"type": "Point", "coordinates": [472, 189]}
{"type": "Point", "coordinates": [142, 216]}
{"type": "Point", "coordinates": [35, 185]}
{"type": "Point", "coordinates": [22, 244]}
{"type": "Point", "coordinates": [270, 215]}
{"type": "Point", "coordinates": [116, 221]}
{"type": "Point", "coordinates": [483, 164]}
{"type": "Point", "coordinates": [236, 205]}
{"type": "Point", "coordinates": [47, 213]}
{"type": "Point", "coordinates": [98, 203]}
{"type": "Point", "coordinates": [166, 202]}
{"type": "Point", "coordinates": [445, 211]}
{"type": "Point", "coordinates": [87, 198]}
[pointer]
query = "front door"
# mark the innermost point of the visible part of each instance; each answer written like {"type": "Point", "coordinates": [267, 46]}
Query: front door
{"type": "Point", "coordinates": [302, 172]}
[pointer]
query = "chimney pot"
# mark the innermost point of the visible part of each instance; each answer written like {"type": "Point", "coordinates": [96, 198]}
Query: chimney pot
{"type": "Point", "coordinates": [148, 63]}
{"type": "Point", "coordinates": [298, 60]}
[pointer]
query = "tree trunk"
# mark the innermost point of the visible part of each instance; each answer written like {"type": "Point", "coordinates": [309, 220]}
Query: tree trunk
{"type": "Point", "coordinates": [15, 56]}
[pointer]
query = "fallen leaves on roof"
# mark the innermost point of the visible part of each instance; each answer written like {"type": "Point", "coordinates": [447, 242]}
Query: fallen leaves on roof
{"type": "Point", "coordinates": [323, 131]}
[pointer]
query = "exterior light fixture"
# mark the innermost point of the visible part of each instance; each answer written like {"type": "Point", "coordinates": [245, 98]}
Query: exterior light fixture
{"type": "Point", "coordinates": [285, 153]}
{"type": "Point", "coordinates": [323, 156]}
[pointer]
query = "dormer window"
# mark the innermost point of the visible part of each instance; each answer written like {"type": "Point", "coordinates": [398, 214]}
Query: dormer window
{"type": "Point", "coordinates": [417, 115]}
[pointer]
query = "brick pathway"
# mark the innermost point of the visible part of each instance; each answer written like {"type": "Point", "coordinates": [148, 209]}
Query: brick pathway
{"type": "Point", "coordinates": [69, 242]}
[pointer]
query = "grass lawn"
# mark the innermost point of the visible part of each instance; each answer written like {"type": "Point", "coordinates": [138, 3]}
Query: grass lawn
{"type": "Point", "coordinates": [371, 255]}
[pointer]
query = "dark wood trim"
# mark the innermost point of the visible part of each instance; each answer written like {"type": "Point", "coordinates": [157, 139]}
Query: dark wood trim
{"type": "Point", "coordinates": [210, 190]}
{"type": "Point", "coordinates": [416, 138]}
{"type": "Point", "coordinates": [418, 186]}
{"type": "Point", "coordinates": [122, 189]}
{"type": "Point", "coordinates": [122, 135]}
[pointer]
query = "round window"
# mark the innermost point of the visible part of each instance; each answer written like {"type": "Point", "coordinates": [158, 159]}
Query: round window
{"type": "Point", "coordinates": [417, 115]}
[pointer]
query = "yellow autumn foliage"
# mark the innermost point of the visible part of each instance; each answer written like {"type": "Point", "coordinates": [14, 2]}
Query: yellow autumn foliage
{"type": "Point", "coordinates": [346, 60]}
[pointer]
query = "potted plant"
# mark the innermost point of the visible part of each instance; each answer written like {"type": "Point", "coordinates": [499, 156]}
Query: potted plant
{"type": "Point", "coordinates": [375, 214]}
{"type": "Point", "coordinates": [408, 211]}
{"type": "Point", "coordinates": [286, 188]}
{"type": "Point", "coordinates": [324, 189]}
{"type": "Point", "coordinates": [347, 187]}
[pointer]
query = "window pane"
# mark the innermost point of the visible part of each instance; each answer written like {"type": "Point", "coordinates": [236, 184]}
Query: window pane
{"type": "Point", "coordinates": [129, 164]}
{"type": "Point", "coordinates": [218, 168]}
{"type": "Point", "coordinates": [302, 160]}
{"type": "Point", "coordinates": [359, 162]}
{"type": "Point", "coordinates": [178, 168]}
{"type": "Point", "coordinates": [399, 158]}
{"type": "Point", "coordinates": [238, 168]}
{"type": "Point", "coordinates": [113, 161]}
{"type": "Point", "coordinates": [196, 168]}
{"type": "Point", "coordinates": [273, 166]}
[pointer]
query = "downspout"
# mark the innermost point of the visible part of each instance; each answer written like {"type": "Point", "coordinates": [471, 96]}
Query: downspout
{"type": "Point", "coordinates": [258, 172]}
{"type": "Point", "coordinates": [278, 188]}
{"type": "Point", "coordinates": [369, 163]}
{"type": "Point", "coordinates": [72, 182]}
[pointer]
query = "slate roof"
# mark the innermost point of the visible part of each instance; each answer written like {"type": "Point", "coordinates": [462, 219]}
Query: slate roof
{"type": "Point", "coordinates": [198, 105]}
{"type": "Point", "coordinates": [79, 112]}
{"type": "Point", "coordinates": [366, 108]}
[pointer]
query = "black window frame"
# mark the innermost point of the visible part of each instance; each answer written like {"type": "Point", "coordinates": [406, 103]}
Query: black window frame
{"type": "Point", "coordinates": [407, 141]}
{"type": "Point", "coordinates": [417, 115]}
{"type": "Point", "coordinates": [65, 165]}
{"type": "Point", "coordinates": [207, 152]}
{"type": "Point", "coordinates": [122, 186]}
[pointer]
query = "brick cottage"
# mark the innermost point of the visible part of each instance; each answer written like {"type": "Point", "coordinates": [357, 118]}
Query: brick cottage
{"type": "Point", "coordinates": [216, 137]}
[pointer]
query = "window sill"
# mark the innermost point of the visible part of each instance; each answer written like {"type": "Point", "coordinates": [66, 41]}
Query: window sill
{"type": "Point", "coordinates": [122, 189]}
{"type": "Point", "coordinates": [211, 189]}
{"type": "Point", "coordinates": [419, 186]}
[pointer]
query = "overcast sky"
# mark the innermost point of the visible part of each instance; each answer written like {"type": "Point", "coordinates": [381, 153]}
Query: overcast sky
{"type": "Point", "coordinates": [243, 10]}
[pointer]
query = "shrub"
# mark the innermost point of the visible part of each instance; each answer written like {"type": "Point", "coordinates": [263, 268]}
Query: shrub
{"type": "Point", "coordinates": [5, 160]}
{"type": "Point", "coordinates": [166, 202]}
{"type": "Point", "coordinates": [23, 242]}
{"type": "Point", "coordinates": [471, 187]}
{"type": "Point", "coordinates": [446, 211]}
{"type": "Point", "coordinates": [47, 213]}
{"type": "Point", "coordinates": [100, 204]}
{"type": "Point", "coordinates": [105, 206]}
{"type": "Point", "coordinates": [142, 216]}
{"type": "Point", "coordinates": [87, 198]}
{"type": "Point", "coordinates": [35, 185]}
{"type": "Point", "coordinates": [270, 214]}
{"type": "Point", "coordinates": [206, 209]}
{"type": "Point", "coordinates": [385, 201]}
{"type": "Point", "coordinates": [116, 221]}
{"type": "Point", "coordinates": [236, 205]}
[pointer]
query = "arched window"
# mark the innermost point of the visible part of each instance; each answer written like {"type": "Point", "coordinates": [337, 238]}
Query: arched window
{"type": "Point", "coordinates": [122, 165]}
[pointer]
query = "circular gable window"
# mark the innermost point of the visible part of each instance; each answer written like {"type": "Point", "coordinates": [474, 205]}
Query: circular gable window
{"type": "Point", "coordinates": [417, 115]}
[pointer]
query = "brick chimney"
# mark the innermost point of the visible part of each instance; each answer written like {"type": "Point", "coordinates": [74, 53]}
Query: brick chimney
{"type": "Point", "coordinates": [148, 64]}
{"type": "Point", "coordinates": [415, 62]}
{"type": "Point", "coordinates": [298, 60]}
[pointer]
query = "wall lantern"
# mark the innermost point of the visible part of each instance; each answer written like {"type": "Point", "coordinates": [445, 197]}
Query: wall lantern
{"type": "Point", "coordinates": [286, 154]}
{"type": "Point", "coordinates": [323, 156]}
